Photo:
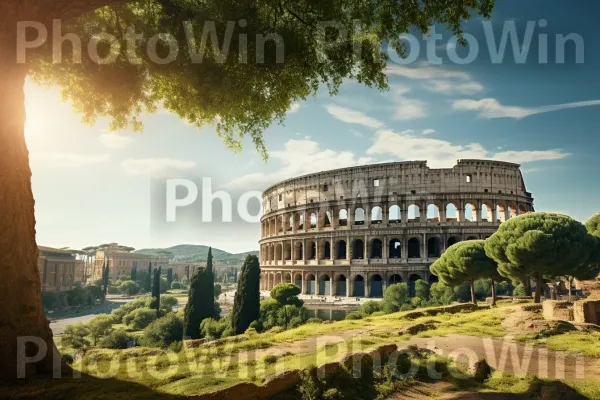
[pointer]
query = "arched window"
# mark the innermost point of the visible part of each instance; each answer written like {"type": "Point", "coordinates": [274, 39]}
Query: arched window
{"type": "Point", "coordinates": [376, 215]}
{"type": "Point", "coordinates": [433, 213]}
{"type": "Point", "coordinates": [414, 248]}
{"type": "Point", "coordinates": [434, 247]}
{"type": "Point", "coordinates": [313, 220]}
{"type": "Point", "coordinates": [359, 216]}
{"type": "Point", "coordinates": [376, 248]}
{"type": "Point", "coordinates": [413, 213]}
{"type": "Point", "coordinates": [358, 249]}
{"type": "Point", "coordinates": [452, 240]}
{"type": "Point", "coordinates": [395, 248]}
{"type": "Point", "coordinates": [470, 212]}
{"type": "Point", "coordinates": [343, 218]}
{"type": "Point", "coordinates": [395, 216]}
{"type": "Point", "coordinates": [451, 213]}
{"type": "Point", "coordinates": [486, 213]}
{"type": "Point", "coordinates": [341, 250]}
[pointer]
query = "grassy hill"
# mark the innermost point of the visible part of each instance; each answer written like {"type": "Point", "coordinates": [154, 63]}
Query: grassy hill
{"type": "Point", "coordinates": [197, 252]}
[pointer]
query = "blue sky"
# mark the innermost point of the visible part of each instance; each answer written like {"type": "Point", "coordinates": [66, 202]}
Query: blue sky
{"type": "Point", "coordinates": [92, 186]}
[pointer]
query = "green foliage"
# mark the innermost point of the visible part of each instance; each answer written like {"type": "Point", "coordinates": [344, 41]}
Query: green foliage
{"type": "Point", "coordinates": [148, 279]}
{"type": "Point", "coordinates": [117, 339]}
{"type": "Point", "coordinates": [100, 326]}
{"type": "Point", "coordinates": [118, 313]}
{"type": "Point", "coordinates": [441, 294]}
{"type": "Point", "coordinates": [286, 294]}
{"type": "Point", "coordinates": [177, 285]}
{"type": "Point", "coordinates": [243, 97]}
{"type": "Point", "coordinates": [274, 313]}
{"type": "Point", "coordinates": [129, 288]}
{"type": "Point", "coordinates": [520, 290]}
{"type": "Point", "coordinates": [395, 296]}
{"type": "Point", "coordinates": [155, 302]}
{"type": "Point", "coordinates": [218, 290]}
{"type": "Point", "coordinates": [75, 336]}
{"type": "Point", "coordinates": [464, 262]}
{"type": "Point", "coordinates": [201, 300]}
{"type": "Point", "coordinates": [504, 288]}
{"type": "Point", "coordinates": [105, 275]}
{"type": "Point", "coordinates": [422, 289]}
{"type": "Point", "coordinates": [163, 331]}
{"type": "Point", "coordinates": [134, 274]}
{"type": "Point", "coordinates": [370, 307]}
{"type": "Point", "coordinates": [212, 328]}
{"type": "Point", "coordinates": [354, 315]}
{"type": "Point", "coordinates": [169, 277]}
{"type": "Point", "coordinates": [539, 244]}
{"type": "Point", "coordinates": [167, 303]}
{"type": "Point", "coordinates": [140, 318]}
{"type": "Point", "coordinates": [246, 306]}
{"type": "Point", "coordinates": [593, 225]}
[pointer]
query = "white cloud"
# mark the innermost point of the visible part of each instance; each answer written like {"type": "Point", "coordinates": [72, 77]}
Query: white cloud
{"type": "Point", "coordinates": [155, 166]}
{"type": "Point", "coordinates": [69, 160]}
{"type": "Point", "coordinates": [298, 157]}
{"type": "Point", "coordinates": [450, 87]}
{"type": "Point", "coordinates": [425, 71]}
{"type": "Point", "coordinates": [443, 154]}
{"type": "Point", "coordinates": [294, 107]}
{"type": "Point", "coordinates": [356, 133]}
{"type": "Point", "coordinates": [491, 108]}
{"type": "Point", "coordinates": [352, 116]}
{"type": "Point", "coordinates": [114, 140]}
{"type": "Point", "coordinates": [428, 131]}
{"type": "Point", "coordinates": [409, 109]}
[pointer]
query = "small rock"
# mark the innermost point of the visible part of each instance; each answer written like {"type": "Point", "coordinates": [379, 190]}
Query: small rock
{"type": "Point", "coordinates": [481, 370]}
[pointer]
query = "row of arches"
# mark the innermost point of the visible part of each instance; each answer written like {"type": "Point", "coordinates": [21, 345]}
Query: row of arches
{"type": "Point", "coordinates": [432, 212]}
{"type": "Point", "coordinates": [357, 249]}
{"type": "Point", "coordinates": [341, 284]}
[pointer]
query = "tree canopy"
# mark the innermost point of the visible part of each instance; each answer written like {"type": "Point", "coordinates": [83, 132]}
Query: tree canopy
{"type": "Point", "coordinates": [464, 262]}
{"type": "Point", "coordinates": [246, 305]}
{"type": "Point", "coordinates": [537, 244]}
{"type": "Point", "coordinates": [286, 294]}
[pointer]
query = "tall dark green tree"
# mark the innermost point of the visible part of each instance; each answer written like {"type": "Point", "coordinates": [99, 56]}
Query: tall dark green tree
{"type": "Point", "coordinates": [170, 277]}
{"type": "Point", "coordinates": [105, 276]}
{"type": "Point", "coordinates": [155, 302]}
{"type": "Point", "coordinates": [148, 282]}
{"type": "Point", "coordinates": [539, 245]}
{"type": "Point", "coordinates": [209, 270]}
{"type": "Point", "coordinates": [201, 300]}
{"type": "Point", "coordinates": [266, 82]}
{"type": "Point", "coordinates": [134, 274]}
{"type": "Point", "coordinates": [464, 262]}
{"type": "Point", "coordinates": [246, 305]}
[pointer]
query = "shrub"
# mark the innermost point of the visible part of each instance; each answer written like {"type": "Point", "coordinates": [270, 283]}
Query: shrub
{"type": "Point", "coordinates": [118, 314]}
{"type": "Point", "coordinates": [313, 320]}
{"type": "Point", "coordinates": [129, 288]}
{"type": "Point", "coordinates": [67, 359]}
{"type": "Point", "coordinates": [163, 331]}
{"type": "Point", "coordinates": [370, 307]}
{"type": "Point", "coordinates": [140, 318]}
{"type": "Point", "coordinates": [416, 301]}
{"type": "Point", "coordinates": [406, 307]}
{"type": "Point", "coordinates": [441, 294]}
{"type": "Point", "coordinates": [177, 285]}
{"type": "Point", "coordinates": [75, 336]}
{"type": "Point", "coordinates": [100, 326]}
{"type": "Point", "coordinates": [167, 303]}
{"type": "Point", "coordinates": [354, 315]}
{"type": "Point", "coordinates": [117, 339]}
{"type": "Point", "coordinates": [520, 290]}
{"type": "Point", "coordinates": [256, 325]}
{"type": "Point", "coordinates": [394, 296]}
{"type": "Point", "coordinates": [211, 328]}
{"type": "Point", "coordinates": [422, 289]}
{"type": "Point", "coordinates": [378, 313]}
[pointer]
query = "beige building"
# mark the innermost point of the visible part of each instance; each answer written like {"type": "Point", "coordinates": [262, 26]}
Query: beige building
{"type": "Point", "coordinates": [353, 231]}
{"type": "Point", "coordinates": [59, 269]}
{"type": "Point", "coordinates": [121, 262]}
{"type": "Point", "coordinates": [187, 270]}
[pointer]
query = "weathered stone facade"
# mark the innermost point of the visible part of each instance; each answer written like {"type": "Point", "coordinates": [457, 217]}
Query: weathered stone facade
{"type": "Point", "coordinates": [352, 231]}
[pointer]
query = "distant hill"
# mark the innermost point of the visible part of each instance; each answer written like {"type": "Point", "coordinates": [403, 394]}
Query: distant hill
{"type": "Point", "coordinates": [197, 252]}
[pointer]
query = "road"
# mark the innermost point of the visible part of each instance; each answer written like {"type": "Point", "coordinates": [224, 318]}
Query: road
{"type": "Point", "coordinates": [58, 326]}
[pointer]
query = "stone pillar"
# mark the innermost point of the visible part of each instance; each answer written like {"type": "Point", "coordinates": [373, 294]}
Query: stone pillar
{"type": "Point", "coordinates": [442, 213]}
{"type": "Point", "coordinates": [506, 212]}
{"type": "Point", "coordinates": [348, 248]}
{"type": "Point", "coordinates": [461, 212]}
{"type": "Point", "coordinates": [404, 212]}
{"type": "Point", "coordinates": [317, 285]}
{"type": "Point", "coordinates": [292, 253]}
{"type": "Point", "coordinates": [385, 250]}
{"type": "Point", "coordinates": [367, 247]}
{"type": "Point", "coordinates": [351, 211]}
{"type": "Point", "coordinates": [367, 208]}
{"type": "Point", "coordinates": [385, 213]}
{"type": "Point", "coordinates": [332, 288]}
{"type": "Point", "coordinates": [334, 217]}
{"type": "Point", "coordinates": [367, 286]}
{"type": "Point", "coordinates": [317, 249]}
{"type": "Point", "coordinates": [348, 287]}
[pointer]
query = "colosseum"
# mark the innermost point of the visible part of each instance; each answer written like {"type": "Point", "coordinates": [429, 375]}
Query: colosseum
{"type": "Point", "coordinates": [352, 231]}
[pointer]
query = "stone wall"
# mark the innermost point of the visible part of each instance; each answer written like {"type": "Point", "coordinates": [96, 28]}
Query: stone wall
{"type": "Point", "coordinates": [555, 310]}
{"type": "Point", "coordinates": [586, 311]}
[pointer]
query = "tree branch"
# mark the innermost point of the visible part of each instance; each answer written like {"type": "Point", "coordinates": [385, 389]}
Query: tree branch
{"type": "Point", "coordinates": [69, 9]}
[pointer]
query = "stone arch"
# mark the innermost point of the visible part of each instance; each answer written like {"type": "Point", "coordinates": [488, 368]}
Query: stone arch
{"type": "Point", "coordinates": [301, 221]}
{"type": "Point", "coordinates": [434, 247]}
{"type": "Point", "coordinates": [278, 251]}
{"type": "Point", "coordinates": [452, 240]}
{"type": "Point", "coordinates": [411, 283]}
{"type": "Point", "coordinates": [414, 214]}
{"type": "Point", "coordinates": [395, 216]}
{"type": "Point", "coordinates": [341, 249]}
{"type": "Point", "coordinates": [298, 279]}
{"type": "Point", "coordinates": [313, 220]}
{"type": "Point", "coordinates": [395, 250]}
{"type": "Point", "coordinates": [358, 286]}
{"type": "Point", "coordinates": [486, 212]}
{"type": "Point", "coordinates": [287, 250]}
{"type": "Point", "coordinates": [376, 215]}
{"type": "Point", "coordinates": [470, 212]}
{"type": "Point", "coordinates": [287, 277]}
{"type": "Point", "coordinates": [512, 210]}
{"type": "Point", "coordinates": [522, 209]}
{"type": "Point", "coordinates": [500, 212]}
{"type": "Point", "coordinates": [376, 289]}
{"type": "Point", "coordinates": [414, 248]}
{"type": "Point", "coordinates": [327, 219]}
{"type": "Point", "coordinates": [358, 249]}
{"type": "Point", "coordinates": [325, 250]}
{"type": "Point", "coordinates": [290, 223]}
{"type": "Point", "coordinates": [376, 248]}
{"type": "Point", "coordinates": [433, 213]}
{"type": "Point", "coordinates": [472, 238]}
{"type": "Point", "coordinates": [277, 279]}
{"type": "Point", "coordinates": [452, 212]}
{"type": "Point", "coordinates": [310, 284]}
{"type": "Point", "coordinates": [299, 251]}
{"type": "Point", "coordinates": [340, 286]}
{"type": "Point", "coordinates": [311, 250]}
{"type": "Point", "coordinates": [395, 278]}
{"type": "Point", "coordinates": [359, 216]}
{"type": "Point", "coordinates": [343, 217]}
{"type": "Point", "coordinates": [324, 285]}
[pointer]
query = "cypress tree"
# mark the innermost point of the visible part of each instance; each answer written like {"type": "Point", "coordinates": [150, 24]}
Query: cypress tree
{"type": "Point", "coordinates": [209, 271]}
{"type": "Point", "coordinates": [155, 303]}
{"type": "Point", "coordinates": [148, 283]}
{"type": "Point", "coordinates": [105, 277]}
{"type": "Point", "coordinates": [170, 276]}
{"type": "Point", "coordinates": [134, 274]}
{"type": "Point", "coordinates": [246, 305]}
{"type": "Point", "coordinates": [201, 300]}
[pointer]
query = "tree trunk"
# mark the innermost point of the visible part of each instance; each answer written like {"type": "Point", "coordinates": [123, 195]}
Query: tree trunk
{"type": "Point", "coordinates": [472, 286]}
{"type": "Point", "coordinates": [569, 287]}
{"type": "Point", "coordinates": [20, 288]}
{"type": "Point", "coordinates": [538, 287]}
{"type": "Point", "coordinates": [493, 292]}
{"type": "Point", "coordinates": [528, 286]}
